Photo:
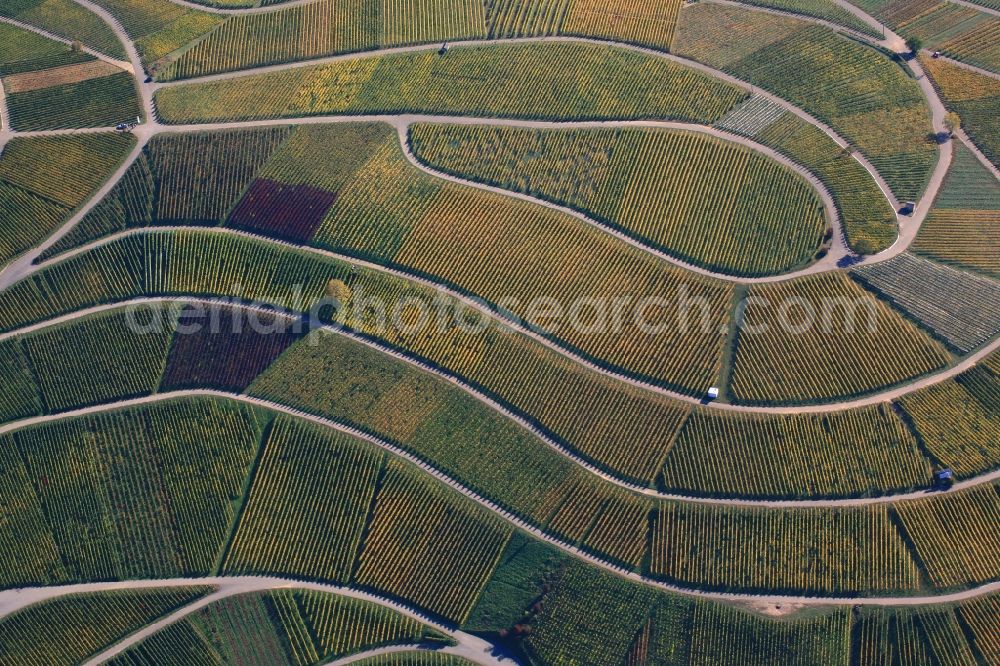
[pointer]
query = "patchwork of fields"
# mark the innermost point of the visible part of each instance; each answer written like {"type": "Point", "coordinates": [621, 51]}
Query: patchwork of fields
{"type": "Point", "coordinates": [448, 332]}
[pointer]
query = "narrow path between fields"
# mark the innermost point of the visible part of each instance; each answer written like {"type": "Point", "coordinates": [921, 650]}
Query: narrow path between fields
{"type": "Point", "coordinates": [512, 416]}
{"type": "Point", "coordinates": [524, 525]}
{"type": "Point", "coordinates": [469, 646]}
{"type": "Point", "coordinates": [506, 320]}
{"type": "Point", "coordinates": [121, 64]}
{"type": "Point", "coordinates": [979, 8]}
{"type": "Point", "coordinates": [236, 11]}
{"type": "Point", "coordinates": [965, 65]}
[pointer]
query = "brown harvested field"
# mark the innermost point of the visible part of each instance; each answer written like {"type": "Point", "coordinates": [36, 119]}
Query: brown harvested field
{"type": "Point", "coordinates": [58, 76]}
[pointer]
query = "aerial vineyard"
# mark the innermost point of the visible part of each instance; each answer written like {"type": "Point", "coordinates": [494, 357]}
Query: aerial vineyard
{"type": "Point", "coordinates": [925, 291]}
{"type": "Point", "coordinates": [175, 466]}
{"type": "Point", "coordinates": [974, 97]}
{"type": "Point", "coordinates": [388, 211]}
{"type": "Point", "coordinates": [71, 628]}
{"type": "Point", "coordinates": [326, 28]}
{"type": "Point", "coordinates": [959, 420]}
{"type": "Point", "coordinates": [18, 390]}
{"type": "Point", "coordinates": [757, 548]}
{"type": "Point", "coordinates": [278, 627]}
{"type": "Point", "coordinates": [426, 545]}
{"type": "Point", "coordinates": [224, 348]}
{"type": "Point", "coordinates": [868, 221]}
{"type": "Point", "coordinates": [553, 81]}
{"type": "Point", "coordinates": [821, 9]}
{"type": "Point", "coordinates": [574, 624]}
{"type": "Point", "coordinates": [159, 29]}
{"type": "Point", "coordinates": [42, 179]}
{"type": "Point", "coordinates": [282, 528]}
{"type": "Point", "coordinates": [785, 351]}
{"type": "Point", "coordinates": [100, 102]}
{"type": "Point", "coordinates": [857, 90]}
{"type": "Point", "coordinates": [65, 19]}
{"type": "Point", "coordinates": [48, 85]}
{"type": "Point", "coordinates": [956, 537]}
{"type": "Point", "coordinates": [729, 636]}
{"type": "Point", "coordinates": [623, 428]}
{"type": "Point", "coordinates": [963, 227]}
{"type": "Point", "coordinates": [862, 451]}
{"type": "Point", "coordinates": [114, 356]}
{"type": "Point", "coordinates": [957, 31]}
{"type": "Point", "coordinates": [24, 51]}
{"type": "Point", "coordinates": [715, 204]}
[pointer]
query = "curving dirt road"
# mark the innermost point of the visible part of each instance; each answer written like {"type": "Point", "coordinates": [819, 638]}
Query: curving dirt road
{"type": "Point", "coordinates": [965, 65]}
{"type": "Point", "coordinates": [509, 322]}
{"type": "Point", "coordinates": [524, 525]}
{"type": "Point", "coordinates": [460, 383]}
{"type": "Point", "coordinates": [469, 646]}
{"type": "Point", "coordinates": [236, 11]}
{"type": "Point", "coordinates": [121, 64]}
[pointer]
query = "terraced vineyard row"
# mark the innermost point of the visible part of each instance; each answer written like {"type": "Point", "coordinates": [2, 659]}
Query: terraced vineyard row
{"type": "Point", "coordinates": [958, 420]}
{"type": "Point", "coordinates": [691, 195]}
{"type": "Point", "coordinates": [822, 337]}
{"type": "Point", "coordinates": [974, 97]}
{"type": "Point", "coordinates": [71, 628]}
{"type": "Point", "coordinates": [325, 28]}
{"type": "Point", "coordinates": [550, 81]}
{"type": "Point", "coordinates": [958, 31]}
{"type": "Point", "coordinates": [49, 85]}
{"type": "Point", "coordinates": [280, 627]}
{"type": "Point", "coordinates": [852, 544]}
{"type": "Point", "coordinates": [926, 291]}
{"type": "Point", "coordinates": [160, 29]}
{"type": "Point", "coordinates": [567, 401]}
{"type": "Point", "coordinates": [963, 227]}
{"type": "Point", "coordinates": [66, 19]}
{"type": "Point", "coordinates": [821, 9]}
{"type": "Point", "coordinates": [645, 23]}
{"type": "Point", "coordinates": [841, 453]}
{"type": "Point", "coordinates": [42, 179]}
{"type": "Point", "coordinates": [388, 211]}
{"type": "Point", "coordinates": [868, 220]}
{"type": "Point", "coordinates": [857, 90]}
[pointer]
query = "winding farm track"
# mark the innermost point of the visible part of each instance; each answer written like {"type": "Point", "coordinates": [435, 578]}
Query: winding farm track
{"type": "Point", "coordinates": [518, 326]}
{"type": "Point", "coordinates": [908, 231]}
{"type": "Point", "coordinates": [14, 426]}
{"type": "Point", "coordinates": [121, 64]}
{"type": "Point", "coordinates": [518, 522]}
{"type": "Point", "coordinates": [469, 646]}
{"type": "Point", "coordinates": [965, 65]}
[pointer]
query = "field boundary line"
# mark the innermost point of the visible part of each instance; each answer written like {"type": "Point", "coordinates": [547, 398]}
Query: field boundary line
{"type": "Point", "coordinates": [502, 410]}
{"type": "Point", "coordinates": [121, 64]}
{"type": "Point", "coordinates": [810, 600]}
{"type": "Point", "coordinates": [965, 363]}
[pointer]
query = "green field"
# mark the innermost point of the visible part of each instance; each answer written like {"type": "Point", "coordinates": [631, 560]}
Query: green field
{"type": "Point", "coordinates": [43, 179]}
{"type": "Point", "coordinates": [858, 90]}
{"type": "Point", "coordinates": [71, 628]}
{"type": "Point", "coordinates": [712, 203]}
{"type": "Point", "coordinates": [546, 81]}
